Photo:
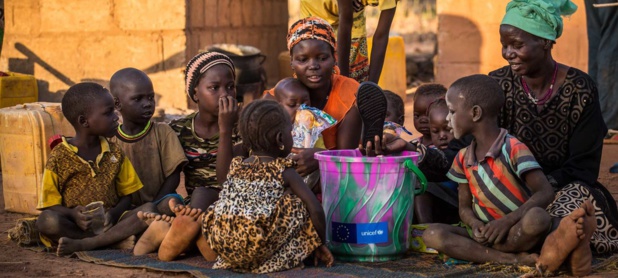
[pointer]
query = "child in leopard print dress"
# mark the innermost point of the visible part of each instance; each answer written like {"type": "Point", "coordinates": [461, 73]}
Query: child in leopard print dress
{"type": "Point", "coordinates": [266, 218]}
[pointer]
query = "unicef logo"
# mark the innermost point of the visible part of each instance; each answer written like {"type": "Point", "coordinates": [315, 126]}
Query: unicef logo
{"type": "Point", "coordinates": [380, 232]}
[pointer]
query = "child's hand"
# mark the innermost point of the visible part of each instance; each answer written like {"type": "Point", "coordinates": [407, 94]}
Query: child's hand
{"type": "Point", "coordinates": [323, 254]}
{"type": "Point", "coordinates": [109, 221]}
{"type": "Point", "coordinates": [228, 113]}
{"type": "Point", "coordinates": [307, 164]}
{"type": "Point", "coordinates": [497, 230]}
{"type": "Point", "coordinates": [81, 219]}
{"type": "Point", "coordinates": [477, 232]}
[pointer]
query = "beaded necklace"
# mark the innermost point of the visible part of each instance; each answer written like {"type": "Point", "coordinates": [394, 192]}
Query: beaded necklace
{"type": "Point", "coordinates": [545, 97]}
{"type": "Point", "coordinates": [136, 136]}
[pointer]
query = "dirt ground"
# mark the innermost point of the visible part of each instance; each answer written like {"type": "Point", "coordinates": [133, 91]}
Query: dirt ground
{"type": "Point", "coordinates": [16, 261]}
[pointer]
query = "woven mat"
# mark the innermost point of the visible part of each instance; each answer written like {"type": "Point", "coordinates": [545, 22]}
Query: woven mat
{"type": "Point", "coordinates": [413, 265]}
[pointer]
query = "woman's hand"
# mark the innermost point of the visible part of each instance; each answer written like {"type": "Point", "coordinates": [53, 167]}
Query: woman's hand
{"type": "Point", "coordinates": [374, 148]}
{"type": "Point", "coordinates": [228, 113]}
{"type": "Point", "coordinates": [305, 160]}
{"type": "Point", "coordinates": [387, 145]}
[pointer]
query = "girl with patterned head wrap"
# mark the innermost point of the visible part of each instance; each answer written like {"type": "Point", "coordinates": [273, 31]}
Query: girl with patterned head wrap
{"type": "Point", "coordinates": [561, 103]}
{"type": "Point", "coordinates": [312, 46]}
{"type": "Point", "coordinates": [207, 138]}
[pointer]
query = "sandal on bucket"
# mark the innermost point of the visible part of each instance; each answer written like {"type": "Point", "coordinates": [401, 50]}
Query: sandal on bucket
{"type": "Point", "coordinates": [372, 107]}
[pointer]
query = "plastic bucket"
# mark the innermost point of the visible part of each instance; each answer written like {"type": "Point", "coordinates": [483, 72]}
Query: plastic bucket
{"type": "Point", "coordinates": [368, 202]}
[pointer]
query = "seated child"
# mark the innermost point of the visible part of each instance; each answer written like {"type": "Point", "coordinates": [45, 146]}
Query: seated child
{"type": "Point", "coordinates": [153, 148]}
{"type": "Point", "coordinates": [423, 97]}
{"type": "Point", "coordinates": [291, 93]}
{"type": "Point", "coordinates": [210, 79]}
{"type": "Point", "coordinates": [502, 189]}
{"type": "Point", "coordinates": [210, 82]}
{"type": "Point", "coordinates": [85, 169]}
{"type": "Point", "coordinates": [439, 129]}
{"type": "Point", "coordinates": [308, 122]}
{"type": "Point", "coordinates": [264, 195]}
{"type": "Point", "coordinates": [395, 114]}
{"type": "Point", "coordinates": [261, 193]}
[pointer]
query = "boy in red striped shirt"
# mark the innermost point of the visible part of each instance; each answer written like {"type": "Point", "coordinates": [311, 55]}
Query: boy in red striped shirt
{"type": "Point", "coordinates": [503, 192]}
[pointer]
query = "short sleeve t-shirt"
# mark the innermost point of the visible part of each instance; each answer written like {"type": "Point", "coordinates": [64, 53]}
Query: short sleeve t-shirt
{"type": "Point", "coordinates": [496, 182]}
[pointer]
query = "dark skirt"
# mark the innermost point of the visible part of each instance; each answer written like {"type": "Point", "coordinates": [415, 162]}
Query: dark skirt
{"type": "Point", "coordinates": [569, 198]}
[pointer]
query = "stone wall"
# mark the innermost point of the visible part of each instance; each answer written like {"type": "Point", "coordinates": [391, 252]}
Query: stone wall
{"type": "Point", "coordinates": [469, 40]}
{"type": "Point", "coordinates": [63, 42]}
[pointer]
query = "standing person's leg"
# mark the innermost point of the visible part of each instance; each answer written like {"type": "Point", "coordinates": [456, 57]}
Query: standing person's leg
{"type": "Point", "coordinates": [602, 28]}
{"type": "Point", "coordinates": [128, 226]}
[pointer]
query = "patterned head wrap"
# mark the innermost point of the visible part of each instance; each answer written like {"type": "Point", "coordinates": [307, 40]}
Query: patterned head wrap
{"type": "Point", "coordinates": [200, 64]}
{"type": "Point", "coordinates": [541, 18]}
{"type": "Point", "coordinates": [312, 28]}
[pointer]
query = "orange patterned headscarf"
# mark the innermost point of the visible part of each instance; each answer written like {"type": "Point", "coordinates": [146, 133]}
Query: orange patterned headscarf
{"type": "Point", "coordinates": [312, 28]}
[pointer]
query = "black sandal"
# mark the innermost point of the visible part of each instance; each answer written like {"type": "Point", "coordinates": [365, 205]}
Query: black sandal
{"type": "Point", "coordinates": [372, 107]}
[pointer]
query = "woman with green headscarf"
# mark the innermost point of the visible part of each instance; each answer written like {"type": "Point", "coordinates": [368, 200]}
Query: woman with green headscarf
{"type": "Point", "coordinates": [554, 109]}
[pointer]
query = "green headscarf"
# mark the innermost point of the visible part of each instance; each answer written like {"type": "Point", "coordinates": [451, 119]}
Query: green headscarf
{"type": "Point", "coordinates": [541, 18]}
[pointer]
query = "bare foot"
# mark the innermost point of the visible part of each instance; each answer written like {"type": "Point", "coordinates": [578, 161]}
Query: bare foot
{"type": "Point", "coordinates": [561, 242]}
{"type": "Point", "coordinates": [154, 235]}
{"type": "Point", "coordinates": [581, 258]}
{"type": "Point", "coordinates": [323, 254]}
{"type": "Point", "coordinates": [182, 233]}
{"type": "Point", "coordinates": [527, 259]}
{"type": "Point", "coordinates": [127, 243]}
{"type": "Point", "coordinates": [207, 252]}
{"type": "Point", "coordinates": [67, 246]}
{"type": "Point", "coordinates": [148, 217]}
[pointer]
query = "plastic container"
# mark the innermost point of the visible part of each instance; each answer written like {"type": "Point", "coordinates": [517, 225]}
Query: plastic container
{"type": "Point", "coordinates": [393, 76]}
{"type": "Point", "coordinates": [24, 131]}
{"type": "Point", "coordinates": [17, 88]}
{"type": "Point", "coordinates": [368, 202]}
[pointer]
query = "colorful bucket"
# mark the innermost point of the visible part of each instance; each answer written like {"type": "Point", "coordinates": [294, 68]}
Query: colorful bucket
{"type": "Point", "coordinates": [368, 202]}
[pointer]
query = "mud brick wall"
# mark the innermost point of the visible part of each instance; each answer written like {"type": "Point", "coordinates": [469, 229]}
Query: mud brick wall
{"type": "Point", "coordinates": [469, 39]}
{"type": "Point", "coordinates": [259, 23]}
{"type": "Point", "coordinates": [63, 42]}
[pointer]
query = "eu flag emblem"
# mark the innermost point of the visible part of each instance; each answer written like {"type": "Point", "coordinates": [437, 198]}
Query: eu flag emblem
{"type": "Point", "coordinates": [360, 233]}
{"type": "Point", "coordinates": [344, 232]}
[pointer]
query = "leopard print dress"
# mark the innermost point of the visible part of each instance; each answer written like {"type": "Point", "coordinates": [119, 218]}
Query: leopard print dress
{"type": "Point", "coordinates": [254, 226]}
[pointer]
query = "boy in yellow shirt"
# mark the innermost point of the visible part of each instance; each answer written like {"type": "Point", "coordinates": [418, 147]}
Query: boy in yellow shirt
{"type": "Point", "coordinates": [85, 169]}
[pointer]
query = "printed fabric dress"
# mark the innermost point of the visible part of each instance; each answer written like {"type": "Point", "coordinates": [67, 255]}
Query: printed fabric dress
{"type": "Point", "coordinates": [256, 227]}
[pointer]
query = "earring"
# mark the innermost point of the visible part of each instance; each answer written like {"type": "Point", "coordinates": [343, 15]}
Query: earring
{"type": "Point", "coordinates": [294, 75]}
{"type": "Point", "coordinates": [281, 147]}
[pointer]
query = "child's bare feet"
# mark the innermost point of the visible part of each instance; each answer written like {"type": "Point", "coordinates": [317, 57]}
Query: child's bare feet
{"type": "Point", "coordinates": [150, 241]}
{"type": "Point", "coordinates": [68, 246]}
{"type": "Point", "coordinates": [581, 258]}
{"type": "Point", "coordinates": [182, 232]}
{"type": "Point", "coordinates": [127, 243]}
{"type": "Point", "coordinates": [561, 242]}
{"type": "Point", "coordinates": [148, 217]}
{"type": "Point", "coordinates": [527, 259]}
{"type": "Point", "coordinates": [323, 254]}
{"type": "Point", "coordinates": [207, 252]}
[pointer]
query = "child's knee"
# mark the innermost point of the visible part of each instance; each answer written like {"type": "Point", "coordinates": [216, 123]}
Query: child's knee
{"type": "Point", "coordinates": [434, 236]}
{"type": "Point", "coordinates": [536, 221]}
{"type": "Point", "coordinates": [48, 222]}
